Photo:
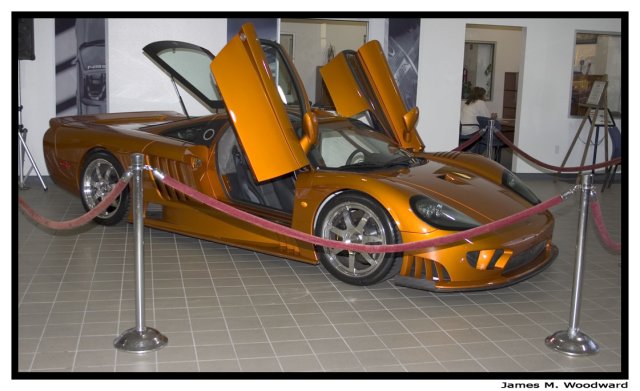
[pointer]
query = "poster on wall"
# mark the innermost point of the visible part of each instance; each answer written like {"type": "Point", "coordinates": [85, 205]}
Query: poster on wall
{"type": "Point", "coordinates": [266, 28]}
{"type": "Point", "coordinates": [404, 50]}
{"type": "Point", "coordinates": [81, 69]}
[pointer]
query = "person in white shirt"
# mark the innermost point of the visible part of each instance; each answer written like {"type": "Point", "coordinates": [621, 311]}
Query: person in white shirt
{"type": "Point", "coordinates": [472, 108]}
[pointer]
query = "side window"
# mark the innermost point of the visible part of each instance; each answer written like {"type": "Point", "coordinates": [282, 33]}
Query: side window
{"type": "Point", "coordinates": [229, 161]}
{"type": "Point", "coordinates": [373, 117]}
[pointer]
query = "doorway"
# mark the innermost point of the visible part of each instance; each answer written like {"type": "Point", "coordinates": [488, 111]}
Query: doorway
{"type": "Point", "coordinates": [499, 50]}
{"type": "Point", "coordinates": [313, 42]}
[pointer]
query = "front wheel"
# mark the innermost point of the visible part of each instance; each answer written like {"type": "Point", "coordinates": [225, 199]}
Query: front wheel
{"type": "Point", "coordinates": [100, 174]}
{"type": "Point", "coordinates": [355, 218]}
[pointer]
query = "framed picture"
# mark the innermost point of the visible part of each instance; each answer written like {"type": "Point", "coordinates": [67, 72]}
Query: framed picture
{"type": "Point", "coordinates": [286, 41]}
{"type": "Point", "coordinates": [478, 67]}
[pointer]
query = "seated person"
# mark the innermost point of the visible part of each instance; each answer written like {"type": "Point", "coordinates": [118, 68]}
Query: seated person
{"type": "Point", "coordinates": [473, 108]}
{"type": "Point", "coordinates": [475, 115]}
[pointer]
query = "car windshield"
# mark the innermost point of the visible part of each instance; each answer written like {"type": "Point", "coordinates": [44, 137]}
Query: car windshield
{"type": "Point", "coordinates": [351, 145]}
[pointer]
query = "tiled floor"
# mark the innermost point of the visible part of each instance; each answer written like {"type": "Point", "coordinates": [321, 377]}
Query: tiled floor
{"type": "Point", "coordinates": [226, 309]}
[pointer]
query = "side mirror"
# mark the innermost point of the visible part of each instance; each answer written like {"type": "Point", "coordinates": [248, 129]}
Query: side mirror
{"type": "Point", "coordinates": [309, 131]}
{"type": "Point", "coordinates": [410, 121]}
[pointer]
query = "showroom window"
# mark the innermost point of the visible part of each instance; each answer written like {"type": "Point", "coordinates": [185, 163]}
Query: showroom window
{"type": "Point", "coordinates": [597, 57]}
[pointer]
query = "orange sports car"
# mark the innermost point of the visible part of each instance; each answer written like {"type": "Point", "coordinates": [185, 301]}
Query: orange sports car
{"type": "Point", "coordinates": [356, 174]}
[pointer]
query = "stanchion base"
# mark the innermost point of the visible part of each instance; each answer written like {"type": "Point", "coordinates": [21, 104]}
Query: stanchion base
{"type": "Point", "coordinates": [572, 344]}
{"type": "Point", "coordinates": [134, 341]}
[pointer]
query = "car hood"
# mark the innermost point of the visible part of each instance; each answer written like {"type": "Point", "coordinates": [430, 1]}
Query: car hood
{"type": "Point", "coordinates": [462, 189]}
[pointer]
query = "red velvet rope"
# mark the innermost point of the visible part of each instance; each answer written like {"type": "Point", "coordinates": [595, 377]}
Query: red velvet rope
{"type": "Point", "coordinates": [596, 212]}
{"type": "Point", "coordinates": [376, 248]}
{"type": "Point", "coordinates": [79, 221]}
{"type": "Point", "coordinates": [471, 141]}
{"type": "Point", "coordinates": [554, 168]}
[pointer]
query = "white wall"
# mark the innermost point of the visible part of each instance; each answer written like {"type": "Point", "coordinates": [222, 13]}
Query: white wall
{"type": "Point", "coordinates": [543, 125]}
{"type": "Point", "coordinates": [38, 86]}
{"type": "Point", "coordinates": [308, 52]}
{"type": "Point", "coordinates": [378, 31]}
{"type": "Point", "coordinates": [440, 82]}
{"type": "Point", "coordinates": [135, 82]}
{"type": "Point", "coordinates": [545, 84]}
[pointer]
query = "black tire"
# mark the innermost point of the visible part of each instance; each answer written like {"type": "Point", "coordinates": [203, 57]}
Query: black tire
{"type": "Point", "coordinates": [356, 218]}
{"type": "Point", "coordinates": [100, 172]}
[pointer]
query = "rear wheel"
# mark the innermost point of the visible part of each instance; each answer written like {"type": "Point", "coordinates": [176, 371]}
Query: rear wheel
{"type": "Point", "coordinates": [100, 173]}
{"type": "Point", "coordinates": [356, 218]}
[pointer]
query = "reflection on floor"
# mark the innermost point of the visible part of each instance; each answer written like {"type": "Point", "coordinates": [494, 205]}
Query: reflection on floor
{"type": "Point", "coordinates": [227, 309]}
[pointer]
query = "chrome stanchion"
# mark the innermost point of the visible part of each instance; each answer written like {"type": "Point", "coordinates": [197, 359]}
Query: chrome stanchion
{"type": "Point", "coordinates": [572, 341]}
{"type": "Point", "coordinates": [139, 339]}
{"type": "Point", "coordinates": [490, 139]}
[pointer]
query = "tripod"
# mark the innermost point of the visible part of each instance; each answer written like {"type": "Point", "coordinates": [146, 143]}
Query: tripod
{"type": "Point", "coordinates": [22, 145]}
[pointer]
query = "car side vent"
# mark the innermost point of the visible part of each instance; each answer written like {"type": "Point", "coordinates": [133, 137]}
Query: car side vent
{"type": "Point", "coordinates": [428, 269]}
{"type": "Point", "coordinates": [178, 171]}
{"type": "Point", "coordinates": [421, 273]}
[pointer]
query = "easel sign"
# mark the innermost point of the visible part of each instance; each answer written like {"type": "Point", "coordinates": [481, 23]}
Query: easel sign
{"type": "Point", "coordinates": [597, 109]}
{"type": "Point", "coordinates": [599, 119]}
{"type": "Point", "coordinates": [597, 90]}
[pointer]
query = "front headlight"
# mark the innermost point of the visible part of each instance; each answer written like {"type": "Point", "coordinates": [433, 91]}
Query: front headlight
{"type": "Point", "coordinates": [440, 215]}
{"type": "Point", "coordinates": [514, 183]}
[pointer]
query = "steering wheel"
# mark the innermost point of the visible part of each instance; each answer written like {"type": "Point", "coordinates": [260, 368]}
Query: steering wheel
{"type": "Point", "coordinates": [356, 157]}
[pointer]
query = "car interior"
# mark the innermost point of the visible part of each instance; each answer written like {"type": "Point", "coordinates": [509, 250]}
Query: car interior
{"type": "Point", "coordinates": [235, 173]}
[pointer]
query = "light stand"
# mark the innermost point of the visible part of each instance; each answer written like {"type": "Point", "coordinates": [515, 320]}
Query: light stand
{"type": "Point", "coordinates": [22, 145]}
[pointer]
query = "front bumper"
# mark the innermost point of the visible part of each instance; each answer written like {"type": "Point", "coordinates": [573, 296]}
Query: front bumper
{"type": "Point", "coordinates": [495, 260]}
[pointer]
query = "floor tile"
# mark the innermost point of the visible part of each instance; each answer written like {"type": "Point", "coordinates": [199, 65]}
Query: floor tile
{"type": "Point", "coordinates": [228, 310]}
